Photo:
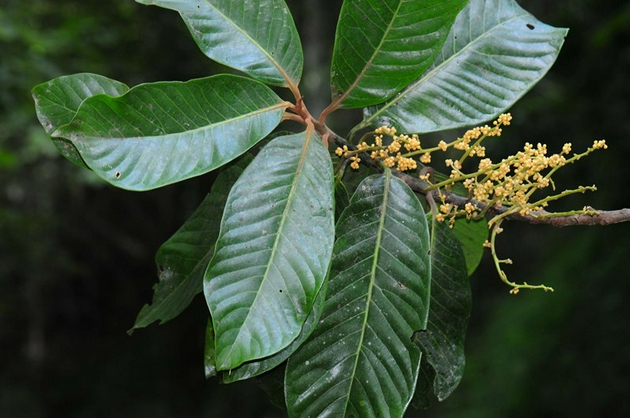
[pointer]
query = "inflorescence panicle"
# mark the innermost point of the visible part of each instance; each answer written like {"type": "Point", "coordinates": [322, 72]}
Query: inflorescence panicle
{"type": "Point", "coordinates": [509, 184]}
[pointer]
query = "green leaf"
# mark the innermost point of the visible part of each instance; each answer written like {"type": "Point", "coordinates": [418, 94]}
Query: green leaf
{"type": "Point", "coordinates": [424, 388]}
{"type": "Point", "coordinates": [209, 367]}
{"type": "Point", "coordinates": [258, 367]}
{"type": "Point", "coordinates": [257, 37]}
{"type": "Point", "coordinates": [183, 259]}
{"type": "Point", "coordinates": [443, 341]}
{"type": "Point", "coordinates": [382, 46]}
{"type": "Point", "coordinates": [272, 383]}
{"type": "Point", "coordinates": [160, 133]}
{"type": "Point", "coordinates": [57, 102]}
{"type": "Point", "coordinates": [360, 360]}
{"type": "Point", "coordinates": [342, 198]}
{"type": "Point", "coordinates": [471, 236]}
{"type": "Point", "coordinates": [273, 251]}
{"type": "Point", "coordinates": [494, 54]}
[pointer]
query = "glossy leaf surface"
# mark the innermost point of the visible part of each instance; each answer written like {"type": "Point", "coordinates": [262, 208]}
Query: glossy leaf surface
{"type": "Point", "coordinates": [442, 343]}
{"type": "Point", "coordinates": [258, 367]}
{"type": "Point", "coordinates": [273, 251]}
{"type": "Point", "coordinates": [494, 54]}
{"type": "Point", "coordinates": [160, 133]}
{"type": "Point", "coordinates": [257, 37]}
{"type": "Point", "coordinates": [360, 360]}
{"type": "Point", "coordinates": [382, 46]}
{"type": "Point", "coordinates": [183, 259]}
{"type": "Point", "coordinates": [57, 102]}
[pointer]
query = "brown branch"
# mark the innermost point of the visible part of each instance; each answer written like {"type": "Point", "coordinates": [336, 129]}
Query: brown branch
{"type": "Point", "coordinates": [597, 217]}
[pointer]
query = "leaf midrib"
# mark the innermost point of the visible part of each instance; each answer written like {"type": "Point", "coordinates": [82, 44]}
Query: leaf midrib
{"type": "Point", "coordinates": [275, 63]}
{"type": "Point", "coordinates": [279, 234]}
{"type": "Point", "coordinates": [377, 247]}
{"type": "Point", "coordinates": [431, 73]}
{"type": "Point", "coordinates": [60, 132]}
{"type": "Point", "coordinates": [368, 63]}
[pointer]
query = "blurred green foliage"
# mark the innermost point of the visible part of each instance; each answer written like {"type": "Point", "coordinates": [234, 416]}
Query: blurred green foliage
{"type": "Point", "coordinates": [76, 256]}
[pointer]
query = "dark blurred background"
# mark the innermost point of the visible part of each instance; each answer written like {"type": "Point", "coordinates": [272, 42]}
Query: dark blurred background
{"type": "Point", "coordinates": [76, 255]}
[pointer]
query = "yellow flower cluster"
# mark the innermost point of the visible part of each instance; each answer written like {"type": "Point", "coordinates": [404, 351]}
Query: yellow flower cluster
{"type": "Point", "coordinates": [511, 181]}
{"type": "Point", "coordinates": [508, 185]}
{"type": "Point", "coordinates": [390, 154]}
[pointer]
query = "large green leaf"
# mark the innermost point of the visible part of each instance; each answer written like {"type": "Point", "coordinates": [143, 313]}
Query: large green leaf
{"type": "Point", "coordinates": [442, 342]}
{"type": "Point", "coordinates": [382, 46]}
{"type": "Point", "coordinates": [360, 360]}
{"type": "Point", "coordinates": [494, 54]}
{"type": "Point", "coordinates": [57, 102]}
{"type": "Point", "coordinates": [161, 133]}
{"type": "Point", "coordinates": [182, 260]}
{"type": "Point", "coordinates": [257, 37]}
{"type": "Point", "coordinates": [258, 367]}
{"type": "Point", "coordinates": [273, 251]}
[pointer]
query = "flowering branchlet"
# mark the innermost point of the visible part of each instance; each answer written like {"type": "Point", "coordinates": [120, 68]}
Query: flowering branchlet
{"type": "Point", "coordinates": [508, 185]}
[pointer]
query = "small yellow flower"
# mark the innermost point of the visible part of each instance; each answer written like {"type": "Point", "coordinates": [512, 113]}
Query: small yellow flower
{"type": "Point", "coordinates": [445, 208]}
{"type": "Point", "coordinates": [363, 146]}
{"type": "Point", "coordinates": [485, 164]}
{"type": "Point", "coordinates": [505, 119]}
{"type": "Point", "coordinates": [566, 148]}
{"type": "Point", "coordinates": [478, 150]}
{"type": "Point", "coordinates": [393, 147]}
{"type": "Point", "coordinates": [385, 130]}
{"type": "Point", "coordinates": [405, 164]}
{"type": "Point", "coordinates": [389, 162]}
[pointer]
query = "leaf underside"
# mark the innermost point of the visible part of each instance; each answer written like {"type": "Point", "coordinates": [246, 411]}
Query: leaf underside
{"type": "Point", "coordinates": [494, 54]}
{"type": "Point", "coordinates": [273, 251]}
{"type": "Point", "coordinates": [57, 102]}
{"type": "Point", "coordinates": [360, 360]}
{"type": "Point", "coordinates": [182, 260]}
{"type": "Point", "coordinates": [257, 37]}
{"type": "Point", "coordinates": [258, 367]}
{"type": "Point", "coordinates": [161, 133]}
{"type": "Point", "coordinates": [382, 46]}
